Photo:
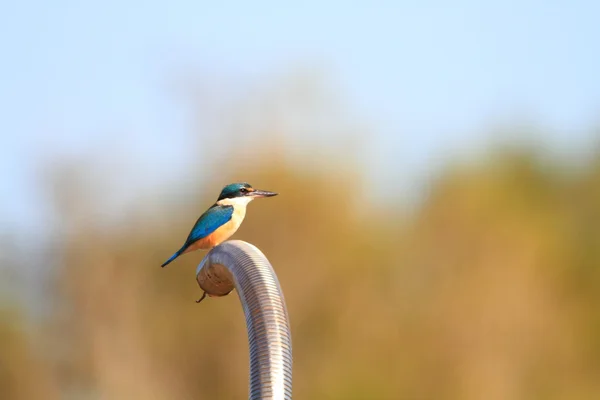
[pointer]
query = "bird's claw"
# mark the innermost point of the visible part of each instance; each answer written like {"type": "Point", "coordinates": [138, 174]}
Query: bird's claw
{"type": "Point", "coordinates": [201, 298]}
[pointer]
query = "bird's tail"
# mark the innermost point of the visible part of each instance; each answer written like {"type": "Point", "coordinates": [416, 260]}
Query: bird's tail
{"type": "Point", "coordinates": [174, 256]}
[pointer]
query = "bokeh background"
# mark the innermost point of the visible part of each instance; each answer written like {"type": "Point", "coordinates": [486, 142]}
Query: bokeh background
{"type": "Point", "coordinates": [437, 233]}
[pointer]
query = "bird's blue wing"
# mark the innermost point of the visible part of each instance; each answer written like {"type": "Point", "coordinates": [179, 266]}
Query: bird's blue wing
{"type": "Point", "coordinates": [208, 222]}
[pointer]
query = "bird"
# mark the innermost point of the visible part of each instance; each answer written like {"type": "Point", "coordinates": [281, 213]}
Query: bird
{"type": "Point", "coordinates": [221, 220]}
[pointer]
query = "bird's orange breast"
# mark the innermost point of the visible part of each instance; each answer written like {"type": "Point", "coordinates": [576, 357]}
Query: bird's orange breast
{"type": "Point", "coordinates": [221, 234]}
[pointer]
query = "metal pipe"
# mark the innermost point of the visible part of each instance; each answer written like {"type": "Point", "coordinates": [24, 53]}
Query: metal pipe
{"type": "Point", "coordinates": [239, 265]}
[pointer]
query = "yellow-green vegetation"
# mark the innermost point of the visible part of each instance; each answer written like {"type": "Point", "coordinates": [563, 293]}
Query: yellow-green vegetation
{"type": "Point", "coordinates": [490, 290]}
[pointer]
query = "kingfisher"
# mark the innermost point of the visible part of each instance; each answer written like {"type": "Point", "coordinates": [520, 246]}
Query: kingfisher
{"type": "Point", "coordinates": [221, 220]}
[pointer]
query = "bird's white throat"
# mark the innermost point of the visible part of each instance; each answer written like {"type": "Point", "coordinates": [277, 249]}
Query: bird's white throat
{"type": "Point", "coordinates": [236, 201]}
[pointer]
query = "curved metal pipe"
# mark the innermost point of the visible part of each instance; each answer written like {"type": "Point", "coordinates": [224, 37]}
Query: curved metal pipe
{"type": "Point", "coordinates": [239, 265]}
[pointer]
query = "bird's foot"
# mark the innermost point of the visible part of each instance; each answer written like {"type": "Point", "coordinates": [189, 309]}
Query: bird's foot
{"type": "Point", "coordinates": [201, 298]}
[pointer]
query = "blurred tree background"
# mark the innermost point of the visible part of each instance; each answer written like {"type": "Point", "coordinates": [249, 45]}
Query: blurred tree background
{"type": "Point", "coordinates": [488, 288]}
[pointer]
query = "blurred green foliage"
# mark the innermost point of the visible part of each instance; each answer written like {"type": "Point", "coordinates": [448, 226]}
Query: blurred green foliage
{"type": "Point", "coordinates": [490, 290]}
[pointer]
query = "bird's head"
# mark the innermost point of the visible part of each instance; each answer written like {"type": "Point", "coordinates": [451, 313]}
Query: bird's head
{"type": "Point", "coordinates": [241, 193]}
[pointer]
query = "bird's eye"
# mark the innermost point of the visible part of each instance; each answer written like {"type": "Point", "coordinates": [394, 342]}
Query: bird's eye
{"type": "Point", "coordinates": [243, 190]}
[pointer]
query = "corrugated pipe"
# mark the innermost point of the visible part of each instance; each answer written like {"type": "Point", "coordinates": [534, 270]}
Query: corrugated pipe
{"type": "Point", "coordinates": [239, 265]}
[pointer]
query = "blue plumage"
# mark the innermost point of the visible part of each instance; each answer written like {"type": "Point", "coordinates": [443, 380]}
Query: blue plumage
{"type": "Point", "coordinates": [234, 190]}
{"type": "Point", "coordinates": [208, 222]}
{"type": "Point", "coordinates": [206, 234]}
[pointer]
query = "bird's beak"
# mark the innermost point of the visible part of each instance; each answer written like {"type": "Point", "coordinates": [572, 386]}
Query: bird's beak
{"type": "Point", "coordinates": [261, 193]}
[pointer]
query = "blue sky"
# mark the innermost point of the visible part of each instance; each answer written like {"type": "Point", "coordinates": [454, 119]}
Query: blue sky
{"type": "Point", "coordinates": [428, 76]}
